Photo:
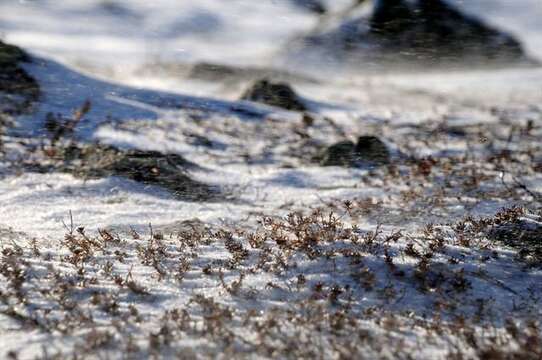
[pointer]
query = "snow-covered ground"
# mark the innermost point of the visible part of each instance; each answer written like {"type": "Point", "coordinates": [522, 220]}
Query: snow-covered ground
{"type": "Point", "coordinates": [376, 282]}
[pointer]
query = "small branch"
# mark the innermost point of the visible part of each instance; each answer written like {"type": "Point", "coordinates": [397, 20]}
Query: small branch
{"type": "Point", "coordinates": [71, 228]}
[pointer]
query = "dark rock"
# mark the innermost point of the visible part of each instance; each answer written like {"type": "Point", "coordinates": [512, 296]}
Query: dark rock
{"type": "Point", "coordinates": [371, 150]}
{"type": "Point", "coordinates": [111, 7]}
{"type": "Point", "coordinates": [18, 90]}
{"type": "Point", "coordinates": [339, 154]}
{"type": "Point", "coordinates": [391, 17]}
{"type": "Point", "coordinates": [213, 72]}
{"type": "Point", "coordinates": [429, 32]}
{"type": "Point", "coordinates": [147, 167]}
{"type": "Point", "coordinates": [230, 74]}
{"type": "Point", "coordinates": [275, 94]}
{"type": "Point", "coordinates": [11, 55]}
{"type": "Point", "coordinates": [314, 6]}
{"type": "Point", "coordinates": [220, 72]}
{"type": "Point", "coordinates": [444, 27]}
{"type": "Point", "coordinates": [368, 151]}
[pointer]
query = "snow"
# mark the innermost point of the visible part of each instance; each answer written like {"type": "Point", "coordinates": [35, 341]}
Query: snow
{"type": "Point", "coordinates": [90, 49]}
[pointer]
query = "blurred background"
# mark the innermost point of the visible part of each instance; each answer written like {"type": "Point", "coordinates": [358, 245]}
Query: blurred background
{"type": "Point", "coordinates": [120, 33]}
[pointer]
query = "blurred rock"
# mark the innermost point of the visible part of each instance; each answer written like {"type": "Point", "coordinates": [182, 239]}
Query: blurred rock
{"type": "Point", "coordinates": [211, 72]}
{"type": "Point", "coordinates": [115, 8]}
{"type": "Point", "coordinates": [444, 27]}
{"type": "Point", "coordinates": [391, 17]}
{"type": "Point", "coordinates": [275, 94]}
{"type": "Point", "coordinates": [368, 151]}
{"type": "Point", "coordinates": [18, 90]}
{"type": "Point", "coordinates": [371, 150]}
{"type": "Point", "coordinates": [339, 154]}
{"type": "Point", "coordinates": [314, 6]}
{"type": "Point", "coordinates": [428, 32]}
{"type": "Point", "coordinates": [11, 55]}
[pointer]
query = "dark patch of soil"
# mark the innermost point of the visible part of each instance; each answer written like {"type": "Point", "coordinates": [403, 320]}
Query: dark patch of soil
{"type": "Point", "coordinates": [187, 227]}
{"type": "Point", "coordinates": [524, 234]}
{"type": "Point", "coordinates": [277, 94]}
{"type": "Point", "coordinates": [147, 167]}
